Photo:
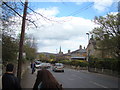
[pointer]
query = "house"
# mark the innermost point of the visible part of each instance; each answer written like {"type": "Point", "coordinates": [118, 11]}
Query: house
{"type": "Point", "coordinates": [79, 54]}
{"type": "Point", "coordinates": [92, 49]}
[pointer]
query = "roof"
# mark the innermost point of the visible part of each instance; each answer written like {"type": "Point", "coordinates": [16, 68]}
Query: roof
{"type": "Point", "coordinates": [79, 51]}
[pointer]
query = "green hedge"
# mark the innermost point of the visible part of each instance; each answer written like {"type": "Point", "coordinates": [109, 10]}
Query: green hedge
{"type": "Point", "coordinates": [80, 63]}
{"type": "Point", "coordinates": [106, 63]}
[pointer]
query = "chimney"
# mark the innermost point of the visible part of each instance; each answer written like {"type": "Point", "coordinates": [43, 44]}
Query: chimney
{"type": "Point", "coordinates": [68, 51]}
{"type": "Point", "coordinates": [80, 47]}
{"type": "Point", "coordinates": [84, 47]}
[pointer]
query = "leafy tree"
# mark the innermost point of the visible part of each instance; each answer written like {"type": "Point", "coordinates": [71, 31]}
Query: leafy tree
{"type": "Point", "coordinates": [30, 52]}
{"type": "Point", "coordinates": [107, 35]}
{"type": "Point", "coordinates": [29, 46]}
{"type": "Point", "coordinates": [52, 57]}
{"type": "Point", "coordinates": [9, 49]}
{"type": "Point", "coordinates": [9, 43]}
{"type": "Point", "coordinates": [43, 57]}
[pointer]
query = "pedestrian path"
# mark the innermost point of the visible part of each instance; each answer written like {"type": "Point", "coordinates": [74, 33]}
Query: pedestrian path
{"type": "Point", "coordinates": [28, 79]}
{"type": "Point", "coordinates": [0, 82]}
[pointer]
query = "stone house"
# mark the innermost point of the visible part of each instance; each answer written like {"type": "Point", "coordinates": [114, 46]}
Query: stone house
{"type": "Point", "coordinates": [79, 54]}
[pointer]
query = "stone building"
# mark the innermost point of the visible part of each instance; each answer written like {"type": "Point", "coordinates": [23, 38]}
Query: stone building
{"type": "Point", "coordinates": [92, 49]}
{"type": "Point", "coordinates": [79, 54]}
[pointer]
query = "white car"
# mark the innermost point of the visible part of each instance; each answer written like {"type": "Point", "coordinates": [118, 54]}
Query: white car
{"type": "Point", "coordinates": [58, 67]}
{"type": "Point", "coordinates": [43, 65]}
{"type": "Point", "coordinates": [48, 65]}
{"type": "Point", "coordinates": [37, 64]}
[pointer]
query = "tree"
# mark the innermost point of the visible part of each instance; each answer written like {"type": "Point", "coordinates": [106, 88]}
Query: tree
{"type": "Point", "coordinates": [9, 49]}
{"type": "Point", "coordinates": [52, 56]}
{"type": "Point", "coordinates": [9, 43]}
{"type": "Point", "coordinates": [30, 48]}
{"type": "Point", "coordinates": [107, 35]}
{"type": "Point", "coordinates": [7, 12]}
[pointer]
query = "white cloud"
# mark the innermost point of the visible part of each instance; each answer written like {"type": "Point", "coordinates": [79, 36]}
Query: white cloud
{"type": "Point", "coordinates": [79, 3]}
{"type": "Point", "coordinates": [52, 11]}
{"type": "Point", "coordinates": [102, 5]}
{"type": "Point", "coordinates": [67, 32]}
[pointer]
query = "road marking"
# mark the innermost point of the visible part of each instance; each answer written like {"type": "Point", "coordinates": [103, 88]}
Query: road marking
{"type": "Point", "coordinates": [74, 75]}
{"type": "Point", "coordinates": [70, 79]}
{"type": "Point", "coordinates": [80, 78]}
{"type": "Point", "coordinates": [98, 84]}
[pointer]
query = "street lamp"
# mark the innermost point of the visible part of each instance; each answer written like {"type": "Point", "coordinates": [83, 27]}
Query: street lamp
{"type": "Point", "coordinates": [88, 37]}
{"type": "Point", "coordinates": [88, 51]}
{"type": "Point", "coordinates": [87, 47]}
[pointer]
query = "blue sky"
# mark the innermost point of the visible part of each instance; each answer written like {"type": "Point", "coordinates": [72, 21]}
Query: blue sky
{"type": "Point", "coordinates": [78, 9]}
{"type": "Point", "coordinates": [74, 20]}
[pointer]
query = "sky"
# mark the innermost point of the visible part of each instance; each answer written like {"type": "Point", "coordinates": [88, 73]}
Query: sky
{"type": "Point", "coordinates": [65, 24]}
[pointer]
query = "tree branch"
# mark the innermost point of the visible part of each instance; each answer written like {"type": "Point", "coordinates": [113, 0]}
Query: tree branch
{"type": "Point", "coordinates": [38, 13]}
{"type": "Point", "coordinates": [18, 13]}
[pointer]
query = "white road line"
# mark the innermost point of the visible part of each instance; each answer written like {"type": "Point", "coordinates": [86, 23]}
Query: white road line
{"type": "Point", "coordinates": [70, 79]}
{"type": "Point", "coordinates": [80, 78]}
{"type": "Point", "coordinates": [74, 75]}
{"type": "Point", "coordinates": [98, 84]}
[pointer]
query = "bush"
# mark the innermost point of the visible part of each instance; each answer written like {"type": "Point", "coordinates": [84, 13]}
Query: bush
{"type": "Point", "coordinates": [106, 63]}
{"type": "Point", "coordinates": [81, 63]}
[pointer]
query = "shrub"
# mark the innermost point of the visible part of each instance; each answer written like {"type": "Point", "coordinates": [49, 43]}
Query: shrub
{"type": "Point", "coordinates": [106, 63]}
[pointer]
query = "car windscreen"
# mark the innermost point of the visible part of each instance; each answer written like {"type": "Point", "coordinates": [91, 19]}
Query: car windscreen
{"type": "Point", "coordinates": [37, 63]}
{"type": "Point", "coordinates": [58, 65]}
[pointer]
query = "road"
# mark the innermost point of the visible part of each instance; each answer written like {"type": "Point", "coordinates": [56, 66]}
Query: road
{"type": "Point", "coordinates": [75, 79]}
{"type": "Point", "coordinates": [83, 79]}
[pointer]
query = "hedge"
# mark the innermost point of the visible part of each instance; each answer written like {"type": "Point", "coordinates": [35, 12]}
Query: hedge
{"type": "Point", "coordinates": [80, 63]}
{"type": "Point", "coordinates": [111, 64]}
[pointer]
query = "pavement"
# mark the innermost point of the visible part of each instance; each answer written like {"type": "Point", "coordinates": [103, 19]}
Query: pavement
{"type": "Point", "coordinates": [0, 82]}
{"type": "Point", "coordinates": [28, 79]}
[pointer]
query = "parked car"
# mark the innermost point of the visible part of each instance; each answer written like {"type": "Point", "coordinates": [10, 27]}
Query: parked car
{"type": "Point", "coordinates": [37, 64]}
{"type": "Point", "coordinates": [58, 67]}
{"type": "Point", "coordinates": [44, 65]}
{"type": "Point", "coordinates": [48, 65]}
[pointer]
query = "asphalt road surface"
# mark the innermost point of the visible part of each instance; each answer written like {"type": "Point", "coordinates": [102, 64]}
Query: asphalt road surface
{"type": "Point", "coordinates": [83, 79]}
{"type": "Point", "coordinates": [75, 79]}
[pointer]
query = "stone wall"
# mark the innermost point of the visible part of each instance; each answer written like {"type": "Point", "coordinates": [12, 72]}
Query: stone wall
{"type": "Point", "coordinates": [95, 70]}
{"type": "Point", "coordinates": [74, 67]}
{"type": "Point", "coordinates": [104, 71]}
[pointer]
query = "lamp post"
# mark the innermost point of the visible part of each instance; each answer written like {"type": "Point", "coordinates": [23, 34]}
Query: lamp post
{"type": "Point", "coordinates": [88, 51]}
{"type": "Point", "coordinates": [88, 37]}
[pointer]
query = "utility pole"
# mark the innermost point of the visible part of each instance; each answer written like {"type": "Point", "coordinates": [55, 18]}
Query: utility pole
{"type": "Point", "coordinates": [20, 58]}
